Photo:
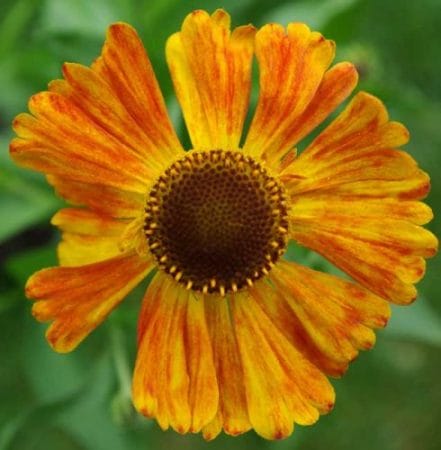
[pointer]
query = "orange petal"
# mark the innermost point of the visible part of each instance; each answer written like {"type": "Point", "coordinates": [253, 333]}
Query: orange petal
{"type": "Point", "coordinates": [161, 381]}
{"type": "Point", "coordinates": [363, 125]}
{"type": "Point", "coordinates": [90, 93]}
{"type": "Point", "coordinates": [352, 198]}
{"type": "Point", "coordinates": [355, 146]}
{"type": "Point", "coordinates": [203, 395]}
{"type": "Point", "coordinates": [336, 85]}
{"type": "Point", "coordinates": [78, 220]}
{"type": "Point", "coordinates": [101, 198]}
{"type": "Point", "coordinates": [281, 386]}
{"type": "Point", "coordinates": [78, 299]}
{"type": "Point", "coordinates": [292, 65]}
{"type": "Point", "coordinates": [415, 187]}
{"type": "Point", "coordinates": [326, 318]}
{"type": "Point", "coordinates": [174, 379]}
{"type": "Point", "coordinates": [376, 241]}
{"type": "Point", "coordinates": [328, 205]}
{"type": "Point", "coordinates": [363, 165]}
{"type": "Point", "coordinates": [385, 255]}
{"type": "Point", "coordinates": [59, 139]}
{"type": "Point", "coordinates": [115, 109]}
{"type": "Point", "coordinates": [87, 237]}
{"type": "Point", "coordinates": [124, 96]}
{"type": "Point", "coordinates": [232, 415]}
{"type": "Point", "coordinates": [277, 308]}
{"type": "Point", "coordinates": [211, 72]}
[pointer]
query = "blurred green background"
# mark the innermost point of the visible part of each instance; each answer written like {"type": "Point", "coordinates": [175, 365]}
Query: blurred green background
{"type": "Point", "coordinates": [390, 398]}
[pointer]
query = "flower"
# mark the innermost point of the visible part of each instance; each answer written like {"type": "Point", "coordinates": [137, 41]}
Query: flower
{"type": "Point", "coordinates": [231, 336]}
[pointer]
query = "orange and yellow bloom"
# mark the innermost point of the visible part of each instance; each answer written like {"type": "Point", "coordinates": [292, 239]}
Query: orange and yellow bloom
{"type": "Point", "coordinates": [231, 336]}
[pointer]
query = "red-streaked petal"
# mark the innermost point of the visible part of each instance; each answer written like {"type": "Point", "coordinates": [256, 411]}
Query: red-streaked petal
{"type": "Point", "coordinates": [281, 386]}
{"type": "Point", "coordinates": [353, 201]}
{"type": "Point", "coordinates": [361, 133]}
{"type": "Point", "coordinates": [376, 241]}
{"type": "Point", "coordinates": [203, 394]}
{"type": "Point", "coordinates": [78, 299]}
{"type": "Point", "coordinates": [131, 105]}
{"type": "Point", "coordinates": [78, 220]}
{"type": "Point", "coordinates": [93, 95]}
{"type": "Point", "coordinates": [124, 64]}
{"type": "Point", "coordinates": [161, 381]}
{"type": "Point", "coordinates": [325, 317]}
{"type": "Point", "coordinates": [382, 164]}
{"type": "Point", "coordinates": [59, 139]}
{"type": "Point", "coordinates": [101, 198]}
{"type": "Point", "coordinates": [211, 72]}
{"type": "Point", "coordinates": [232, 415]}
{"type": "Point", "coordinates": [385, 255]}
{"type": "Point", "coordinates": [332, 206]}
{"type": "Point", "coordinates": [292, 65]}
{"type": "Point", "coordinates": [337, 84]}
{"type": "Point", "coordinates": [106, 126]}
{"type": "Point", "coordinates": [175, 378]}
{"type": "Point", "coordinates": [415, 187]}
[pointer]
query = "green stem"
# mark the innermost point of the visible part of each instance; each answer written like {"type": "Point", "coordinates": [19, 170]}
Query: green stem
{"type": "Point", "coordinates": [120, 360]}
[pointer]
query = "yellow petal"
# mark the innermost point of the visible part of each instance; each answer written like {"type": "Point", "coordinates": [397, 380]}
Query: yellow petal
{"type": "Point", "coordinates": [175, 378]}
{"type": "Point", "coordinates": [211, 72]}
{"type": "Point", "coordinates": [233, 413]}
{"type": "Point", "coordinates": [326, 318]}
{"type": "Point", "coordinates": [203, 394]}
{"type": "Point", "coordinates": [281, 386]}
{"type": "Point", "coordinates": [414, 187]}
{"type": "Point", "coordinates": [327, 205]}
{"type": "Point", "coordinates": [161, 381]}
{"type": "Point", "coordinates": [83, 221]}
{"type": "Point", "coordinates": [87, 237]}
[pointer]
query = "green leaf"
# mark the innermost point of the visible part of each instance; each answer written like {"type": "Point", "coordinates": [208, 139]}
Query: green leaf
{"type": "Point", "coordinates": [82, 17]}
{"type": "Point", "coordinates": [32, 428]}
{"type": "Point", "coordinates": [23, 265]}
{"type": "Point", "coordinates": [315, 14]}
{"type": "Point", "coordinates": [24, 197]}
{"type": "Point", "coordinates": [418, 322]}
{"type": "Point", "coordinates": [8, 299]}
{"type": "Point", "coordinates": [14, 22]}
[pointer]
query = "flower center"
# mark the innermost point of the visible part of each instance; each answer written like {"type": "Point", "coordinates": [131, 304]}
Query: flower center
{"type": "Point", "coordinates": [216, 221]}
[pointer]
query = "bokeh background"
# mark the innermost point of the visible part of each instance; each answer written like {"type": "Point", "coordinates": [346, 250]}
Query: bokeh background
{"type": "Point", "coordinates": [390, 398]}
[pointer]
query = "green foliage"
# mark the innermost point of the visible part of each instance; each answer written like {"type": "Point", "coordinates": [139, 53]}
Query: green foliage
{"type": "Point", "coordinates": [390, 398]}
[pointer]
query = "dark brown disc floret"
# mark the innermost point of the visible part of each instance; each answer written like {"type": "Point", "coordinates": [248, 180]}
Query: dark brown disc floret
{"type": "Point", "coordinates": [216, 221]}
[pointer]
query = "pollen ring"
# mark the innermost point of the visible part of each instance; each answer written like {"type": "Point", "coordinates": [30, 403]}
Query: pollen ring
{"type": "Point", "coordinates": [216, 221]}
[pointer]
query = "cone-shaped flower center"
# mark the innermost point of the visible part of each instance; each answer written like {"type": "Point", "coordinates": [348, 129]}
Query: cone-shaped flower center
{"type": "Point", "coordinates": [216, 221]}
